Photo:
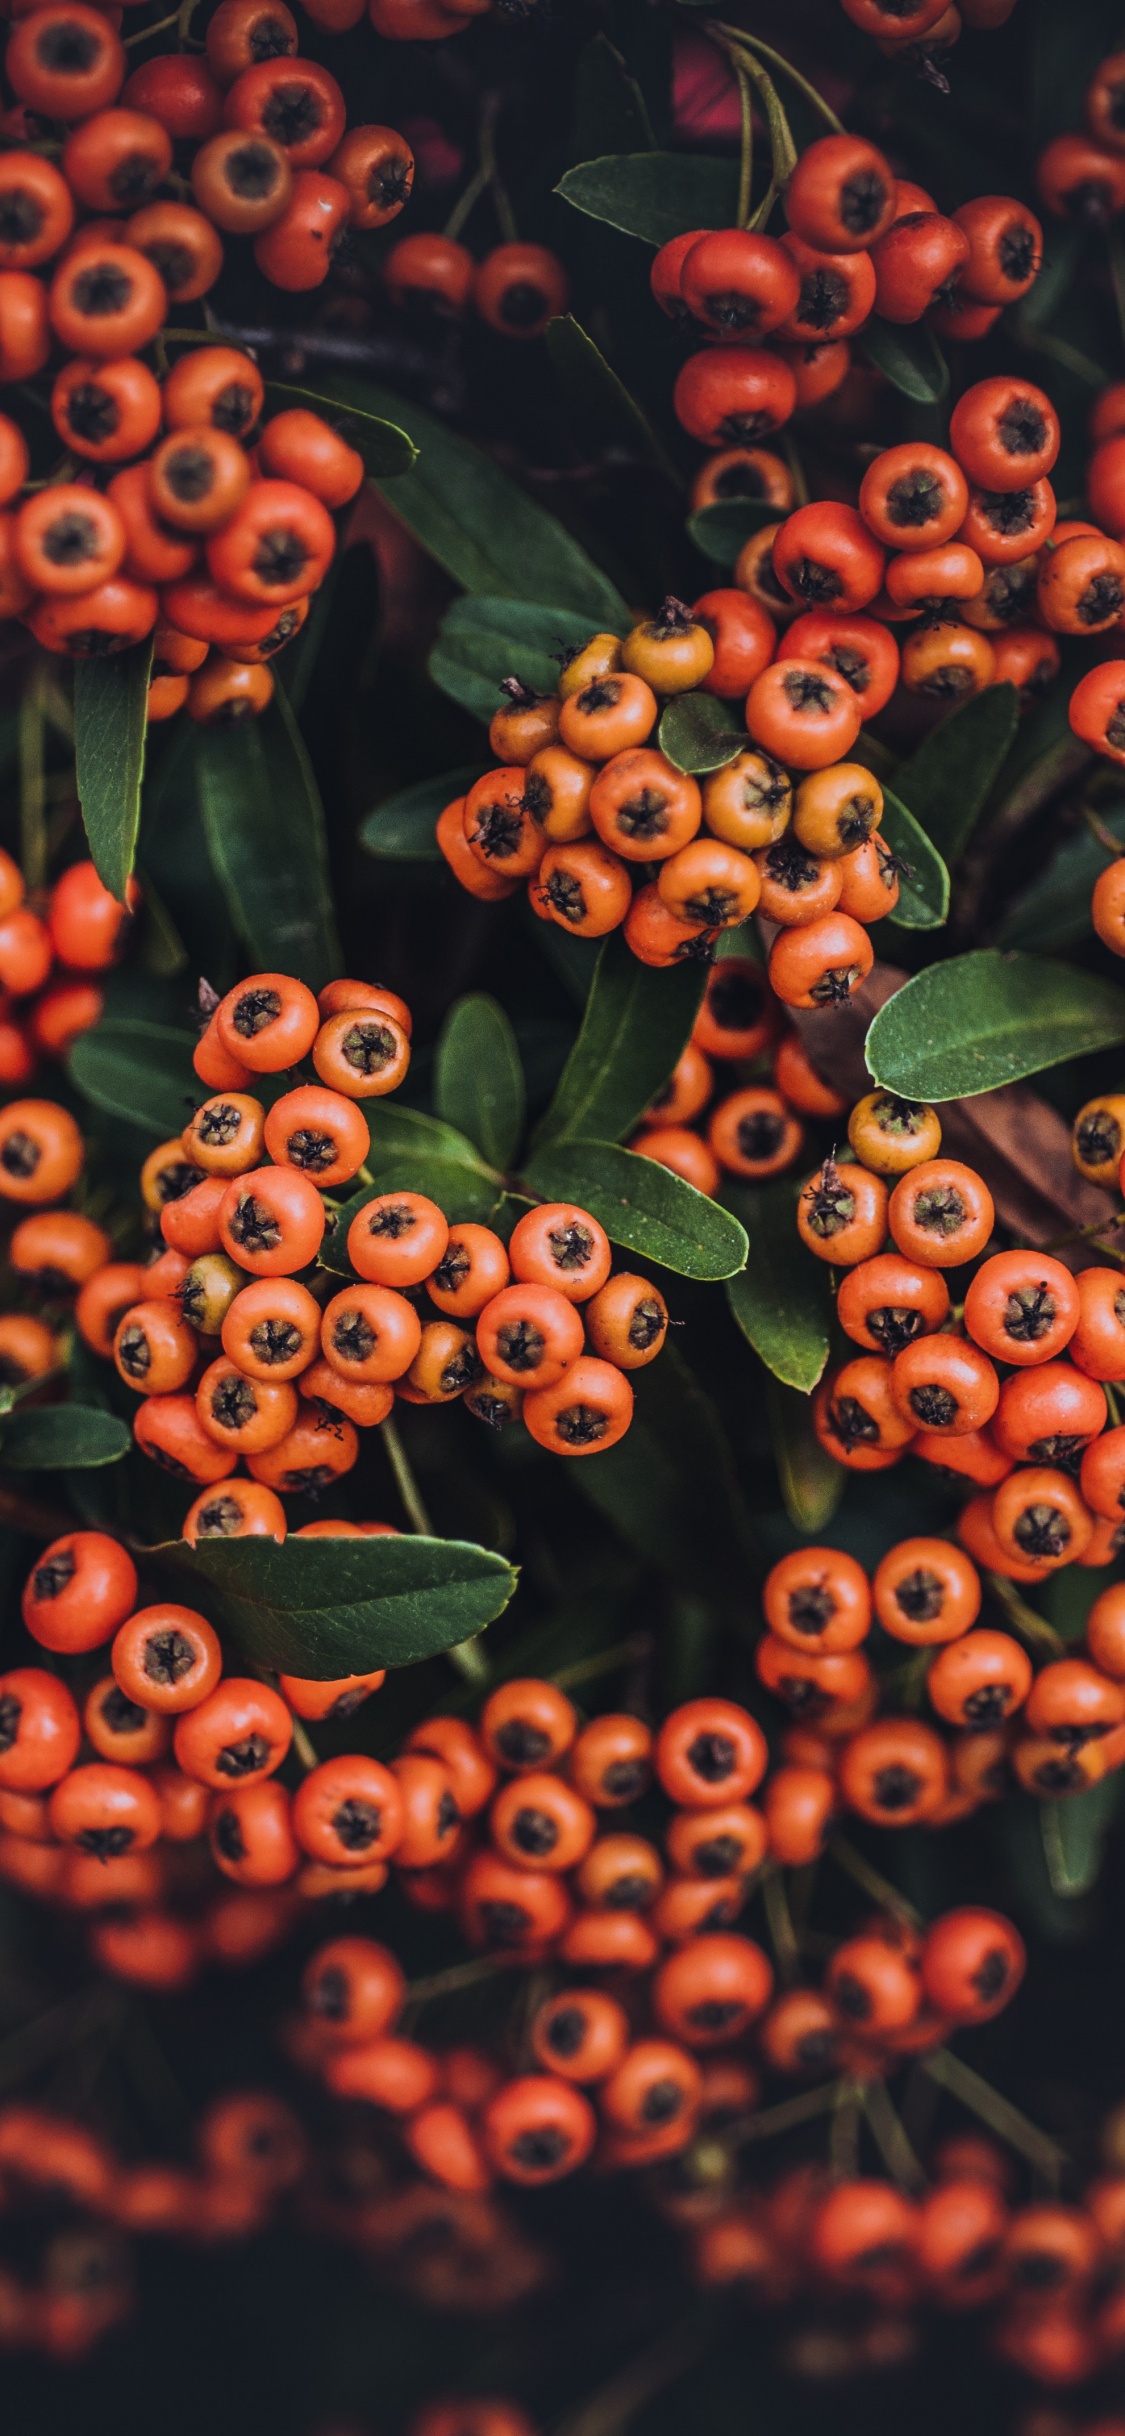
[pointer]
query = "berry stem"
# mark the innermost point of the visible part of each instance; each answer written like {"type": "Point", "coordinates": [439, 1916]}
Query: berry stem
{"type": "Point", "coordinates": [33, 779]}
{"type": "Point", "coordinates": [872, 1881]}
{"type": "Point", "coordinates": [304, 1747]}
{"type": "Point", "coordinates": [889, 2134]}
{"type": "Point", "coordinates": [1001, 2116]}
{"type": "Point", "coordinates": [1023, 1619]}
{"type": "Point", "coordinates": [785, 67]}
{"type": "Point", "coordinates": [779, 1920]}
{"type": "Point", "coordinates": [405, 1482]}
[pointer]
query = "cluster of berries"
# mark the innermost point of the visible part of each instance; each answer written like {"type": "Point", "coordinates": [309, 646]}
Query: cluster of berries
{"type": "Point", "coordinates": [582, 800]}
{"type": "Point", "coordinates": [623, 2077]}
{"type": "Point", "coordinates": [859, 242]}
{"type": "Point", "coordinates": [930, 1380]}
{"type": "Point", "coordinates": [250, 2150]}
{"type": "Point", "coordinates": [1081, 177]}
{"type": "Point", "coordinates": [754, 1132]}
{"type": "Point", "coordinates": [960, 546]}
{"type": "Point", "coordinates": [1053, 1732]}
{"type": "Point", "coordinates": [517, 288]}
{"type": "Point", "coordinates": [434, 1313]}
{"type": "Point", "coordinates": [215, 536]}
{"type": "Point", "coordinates": [50, 961]}
{"type": "Point", "coordinates": [955, 2239]}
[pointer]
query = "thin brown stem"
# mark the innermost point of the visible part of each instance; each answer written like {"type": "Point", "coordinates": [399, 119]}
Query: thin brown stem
{"type": "Point", "coordinates": [610, 2411]}
{"type": "Point", "coordinates": [304, 1746]}
{"type": "Point", "coordinates": [783, 1935]}
{"type": "Point", "coordinates": [405, 1482]}
{"type": "Point", "coordinates": [1023, 1619]}
{"type": "Point", "coordinates": [982, 2100]}
{"type": "Point", "coordinates": [772, 2121]}
{"type": "Point", "coordinates": [889, 2134]}
{"type": "Point", "coordinates": [449, 1983]}
{"type": "Point", "coordinates": [872, 1881]}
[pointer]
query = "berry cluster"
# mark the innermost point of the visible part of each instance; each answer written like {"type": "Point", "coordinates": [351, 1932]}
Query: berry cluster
{"type": "Point", "coordinates": [954, 2239]}
{"type": "Point", "coordinates": [50, 963]}
{"type": "Point", "coordinates": [961, 546]}
{"type": "Point", "coordinates": [1053, 1732]}
{"type": "Point", "coordinates": [434, 1312]}
{"type": "Point", "coordinates": [859, 242]}
{"type": "Point", "coordinates": [213, 538]}
{"type": "Point", "coordinates": [929, 1379]}
{"type": "Point", "coordinates": [754, 1132]}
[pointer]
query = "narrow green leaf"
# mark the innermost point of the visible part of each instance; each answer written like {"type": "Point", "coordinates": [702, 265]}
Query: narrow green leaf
{"type": "Point", "coordinates": [110, 703]}
{"type": "Point", "coordinates": [479, 525]}
{"type": "Point", "coordinates": [697, 732]}
{"type": "Point", "coordinates": [987, 1018]}
{"type": "Point", "coordinates": [478, 1078]}
{"type": "Point", "coordinates": [948, 781]}
{"type": "Point", "coordinates": [140, 1071]}
{"type": "Point", "coordinates": [811, 1484]}
{"type": "Point", "coordinates": [482, 641]}
{"type": "Point", "coordinates": [910, 359]}
{"type": "Point", "coordinates": [721, 529]}
{"type": "Point", "coordinates": [637, 1021]}
{"type": "Point", "coordinates": [384, 447]}
{"type": "Point", "coordinates": [654, 195]}
{"type": "Point", "coordinates": [265, 832]}
{"type": "Point", "coordinates": [62, 1437]}
{"type": "Point", "coordinates": [643, 1206]}
{"type": "Point", "coordinates": [781, 1299]}
{"type": "Point", "coordinates": [606, 413]}
{"type": "Point", "coordinates": [401, 828]}
{"type": "Point", "coordinates": [1055, 911]}
{"type": "Point", "coordinates": [923, 889]}
{"type": "Point", "coordinates": [1074, 1833]}
{"type": "Point", "coordinates": [331, 1607]}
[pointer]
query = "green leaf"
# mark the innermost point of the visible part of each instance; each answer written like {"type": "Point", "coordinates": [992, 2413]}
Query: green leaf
{"type": "Point", "coordinates": [643, 1206]}
{"type": "Point", "coordinates": [401, 828]}
{"type": "Point", "coordinates": [329, 1607]}
{"type": "Point", "coordinates": [654, 195]}
{"type": "Point", "coordinates": [399, 1133]}
{"type": "Point", "coordinates": [909, 358]}
{"type": "Point", "coordinates": [110, 702]}
{"type": "Point", "coordinates": [1055, 912]}
{"type": "Point", "coordinates": [923, 897]}
{"type": "Point", "coordinates": [811, 1484]}
{"type": "Point", "coordinates": [605, 412]}
{"type": "Point", "coordinates": [948, 781]}
{"type": "Point", "coordinates": [1074, 1833]}
{"type": "Point", "coordinates": [699, 732]}
{"type": "Point", "coordinates": [62, 1437]}
{"type": "Point", "coordinates": [478, 1078]}
{"type": "Point", "coordinates": [670, 1487]}
{"type": "Point", "coordinates": [265, 832]}
{"type": "Point", "coordinates": [987, 1018]}
{"type": "Point", "coordinates": [384, 447]}
{"type": "Point", "coordinates": [721, 529]}
{"type": "Point", "coordinates": [482, 641]}
{"type": "Point", "coordinates": [781, 1299]}
{"type": "Point", "coordinates": [636, 1023]}
{"type": "Point", "coordinates": [140, 1071]}
{"type": "Point", "coordinates": [479, 526]}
